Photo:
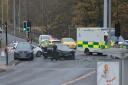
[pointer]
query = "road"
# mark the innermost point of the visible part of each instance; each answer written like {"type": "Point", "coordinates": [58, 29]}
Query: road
{"type": "Point", "coordinates": [46, 72]}
{"type": "Point", "coordinates": [81, 71]}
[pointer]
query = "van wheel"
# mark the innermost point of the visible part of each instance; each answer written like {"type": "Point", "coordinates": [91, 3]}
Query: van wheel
{"type": "Point", "coordinates": [86, 51]}
{"type": "Point", "coordinates": [100, 54]}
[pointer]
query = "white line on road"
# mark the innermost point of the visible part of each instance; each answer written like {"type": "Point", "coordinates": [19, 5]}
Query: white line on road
{"type": "Point", "coordinates": [79, 78]}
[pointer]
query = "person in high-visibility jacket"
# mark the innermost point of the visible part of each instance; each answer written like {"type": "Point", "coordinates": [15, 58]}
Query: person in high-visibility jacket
{"type": "Point", "coordinates": [44, 43]}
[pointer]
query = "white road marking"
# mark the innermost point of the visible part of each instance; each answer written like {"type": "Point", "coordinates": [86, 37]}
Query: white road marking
{"type": "Point", "coordinates": [79, 78]}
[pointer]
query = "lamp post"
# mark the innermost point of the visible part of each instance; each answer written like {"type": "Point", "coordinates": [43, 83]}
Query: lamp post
{"type": "Point", "coordinates": [117, 24]}
{"type": "Point", "coordinates": [107, 14]}
{"type": "Point", "coordinates": [6, 36]}
{"type": "Point", "coordinates": [14, 23]}
{"type": "Point", "coordinates": [2, 8]}
{"type": "Point", "coordinates": [69, 28]}
{"type": "Point", "coordinates": [19, 15]}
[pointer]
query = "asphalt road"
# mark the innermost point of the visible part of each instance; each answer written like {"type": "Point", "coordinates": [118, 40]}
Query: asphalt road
{"type": "Point", "coordinates": [81, 71]}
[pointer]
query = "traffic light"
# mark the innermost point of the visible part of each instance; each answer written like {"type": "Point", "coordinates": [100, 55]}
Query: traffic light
{"type": "Point", "coordinates": [117, 29]}
{"type": "Point", "coordinates": [26, 26]}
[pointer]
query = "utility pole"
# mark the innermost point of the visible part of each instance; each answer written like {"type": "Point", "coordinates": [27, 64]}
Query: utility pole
{"type": "Point", "coordinates": [2, 8]}
{"type": "Point", "coordinates": [6, 50]}
{"type": "Point", "coordinates": [69, 28]}
{"type": "Point", "coordinates": [19, 15]}
{"type": "Point", "coordinates": [45, 16]}
{"type": "Point", "coordinates": [107, 14]}
{"type": "Point", "coordinates": [14, 23]}
{"type": "Point", "coordinates": [117, 24]}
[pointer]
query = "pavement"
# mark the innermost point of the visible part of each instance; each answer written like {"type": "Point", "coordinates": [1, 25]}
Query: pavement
{"type": "Point", "coordinates": [121, 53]}
{"type": "Point", "coordinates": [11, 61]}
{"type": "Point", "coordinates": [3, 68]}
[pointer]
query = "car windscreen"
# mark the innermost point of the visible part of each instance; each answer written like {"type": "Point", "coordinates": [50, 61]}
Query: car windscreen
{"type": "Point", "coordinates": [45, 38]}
{"type": "Point", "coordinates": [126, 41]}
{"type": "Point", "coordinates": [63, 47]}
{"type": "Point", "coordinates": [68, 40]}
{"type": "Point", "coordinates": [56, 42]}
{"type": "Point", "coordinates": [23, 46]}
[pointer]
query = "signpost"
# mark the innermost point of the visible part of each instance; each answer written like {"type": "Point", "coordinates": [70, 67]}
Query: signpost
{"type": "Point", "coordinates": [6, 51]}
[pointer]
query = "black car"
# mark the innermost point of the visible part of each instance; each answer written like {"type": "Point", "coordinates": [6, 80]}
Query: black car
{"type": "Point", "coordinates": [23, 51]}
{"type": "Point", "coordinates": [62, 51]}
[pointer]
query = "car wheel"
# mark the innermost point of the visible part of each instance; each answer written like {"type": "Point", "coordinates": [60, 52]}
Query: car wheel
{"type": "Point", "coordinates": [100, 54]}
{"type": "Point", "coordinates": [86, 51]}
{"type": "Point", "coordinates": [38, 54]}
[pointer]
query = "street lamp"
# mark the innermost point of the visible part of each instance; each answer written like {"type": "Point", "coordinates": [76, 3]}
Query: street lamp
{"type": "Point", "coordinates": [107, 14]}
{"type": "Point", "coordinates": [6, 50]}
{"type": "Point", "coordinates": [2, 8]}
{"type": "Point", "coordinates": [14, 5]}
{"type": "Point", "coordinates": [69, 28]}
{"type": "Point", "coordinates": [19, 15]}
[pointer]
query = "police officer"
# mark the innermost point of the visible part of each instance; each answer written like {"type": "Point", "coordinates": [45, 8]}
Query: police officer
{"type": "Point", "coordinates": [54, 53]}
{"type": "Point", "coordinates": [44, 45]}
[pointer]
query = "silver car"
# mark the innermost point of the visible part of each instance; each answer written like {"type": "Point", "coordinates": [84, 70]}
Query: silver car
{"type": "Point", "coordinates": [23, 51]}
{"type": "Point", "coordinates": [37, 51]}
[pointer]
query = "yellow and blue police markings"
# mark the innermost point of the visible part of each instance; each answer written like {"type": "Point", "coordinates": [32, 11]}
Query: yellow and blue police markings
{"type": "Point", "coordinates": [90, 44]}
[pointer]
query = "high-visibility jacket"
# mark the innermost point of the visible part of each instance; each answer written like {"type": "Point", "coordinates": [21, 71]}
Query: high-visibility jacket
{"type": "Point", "coordinates": [44, 43]}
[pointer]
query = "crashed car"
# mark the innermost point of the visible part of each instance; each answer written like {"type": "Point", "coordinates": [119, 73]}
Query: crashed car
{"type": "Point", "coordinates": [37, 51]}
{"type": "Point", "coordinates": [62, 52]}
{"type": "Point", "coordinates": [23, 50]}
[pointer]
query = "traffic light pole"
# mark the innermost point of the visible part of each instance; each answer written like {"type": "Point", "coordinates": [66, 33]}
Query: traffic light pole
{"type": "Point", "coordinates": [117, 25]}
{"type": "Point", "coordinates": [28, 35]}
{"type": "Point", "coordinates": [6, 50]}
{"type": "Point", "coordinates": [27, 28]}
